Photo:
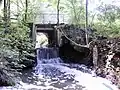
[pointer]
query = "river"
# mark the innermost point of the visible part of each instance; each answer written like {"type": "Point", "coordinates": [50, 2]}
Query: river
{"type": "Point", "coordinates": [51, 73]}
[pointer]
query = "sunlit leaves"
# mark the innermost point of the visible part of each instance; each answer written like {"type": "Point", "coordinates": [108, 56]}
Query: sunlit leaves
{"type": "Point", "coordinates": [107, 20]}
{"type": "Point", "coordinates": [75, 10]}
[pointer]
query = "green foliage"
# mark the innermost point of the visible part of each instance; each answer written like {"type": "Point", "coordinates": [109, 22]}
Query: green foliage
{"type": "Point", "coordinates": [107, 22]}
{"type": "Point", "coordinates": [32, 10]}
{"type": "Point", "coordinates": [73, 8]}
{"type": "Point", "coordinates": [16, 44]}
{"type": "Point", "coordinates": [76, 11]}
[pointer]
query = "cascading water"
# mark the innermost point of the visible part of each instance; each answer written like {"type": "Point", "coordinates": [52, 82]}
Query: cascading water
{"type": "Point", "coordinates": [61, 76]}
{"type": "Point", "coordinates": [52, 74]}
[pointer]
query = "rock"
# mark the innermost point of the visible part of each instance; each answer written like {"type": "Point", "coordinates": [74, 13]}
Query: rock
{"type": "Point", "coordinates": [106, 48]}
{"type": "Point", "coordinates": [5, 79]}
{"type": "Point", "coordinates": [29, 61]}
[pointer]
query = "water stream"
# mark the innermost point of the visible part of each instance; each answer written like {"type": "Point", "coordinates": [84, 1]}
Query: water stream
{"type": "Point", "coordinates": [52, 74]}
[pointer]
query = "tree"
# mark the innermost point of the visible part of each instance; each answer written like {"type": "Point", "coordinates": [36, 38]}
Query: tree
{"type": "Point", "coordinates": [26, 9]}
{"type": "Point", "coordinates": [75, 11]}
{"type": "Point", "coordinates": [107, 22]}
{"type": "Point", "coordinates": [58, 12]}
{"type": "Point", "coordinates": [6, 14]}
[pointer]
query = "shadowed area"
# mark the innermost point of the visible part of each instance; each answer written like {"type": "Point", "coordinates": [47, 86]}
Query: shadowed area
{"type": "Point", "coordinates": [69, 54]}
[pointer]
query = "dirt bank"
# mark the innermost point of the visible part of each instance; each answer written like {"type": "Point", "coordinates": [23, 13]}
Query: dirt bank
{"type": "Point", "coordinates": [108, 63]}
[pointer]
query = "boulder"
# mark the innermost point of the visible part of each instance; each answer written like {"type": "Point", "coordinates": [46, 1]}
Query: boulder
{"type": "Point", "coordinates": [5, 79]}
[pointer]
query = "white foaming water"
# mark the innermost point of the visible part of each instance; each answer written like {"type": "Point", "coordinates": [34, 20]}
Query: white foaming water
{"type": "Point", "coordinates": [84, 79]}
{"type": "Point", "coordinates": [53, 74]}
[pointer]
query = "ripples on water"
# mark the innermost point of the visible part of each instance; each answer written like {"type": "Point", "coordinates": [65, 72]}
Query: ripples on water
{"type": "Point", "coordinates": [53, 74]}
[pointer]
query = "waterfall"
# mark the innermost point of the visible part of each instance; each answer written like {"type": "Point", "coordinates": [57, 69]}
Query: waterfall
{"type": "Point", "coordinates": [78, 77]}
{"type": "Point", "coordinates": [47, 53]}
{"type": "Point", "coordinates": [51, 73]}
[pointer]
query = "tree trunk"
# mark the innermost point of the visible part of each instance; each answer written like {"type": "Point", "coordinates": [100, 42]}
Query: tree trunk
{"type": "Point", "coordinates": [8, 11]}
{"type": "Point", "coordinates": [95, 56]}
{"type": "Point", "coordinates": [26, 9]}
{"type": "Point", "coordinates": [6, 15]}
{"type": "Point", "coordinates": [58, 12]}
{"type": "Point", "coordinates": [86, 22]}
